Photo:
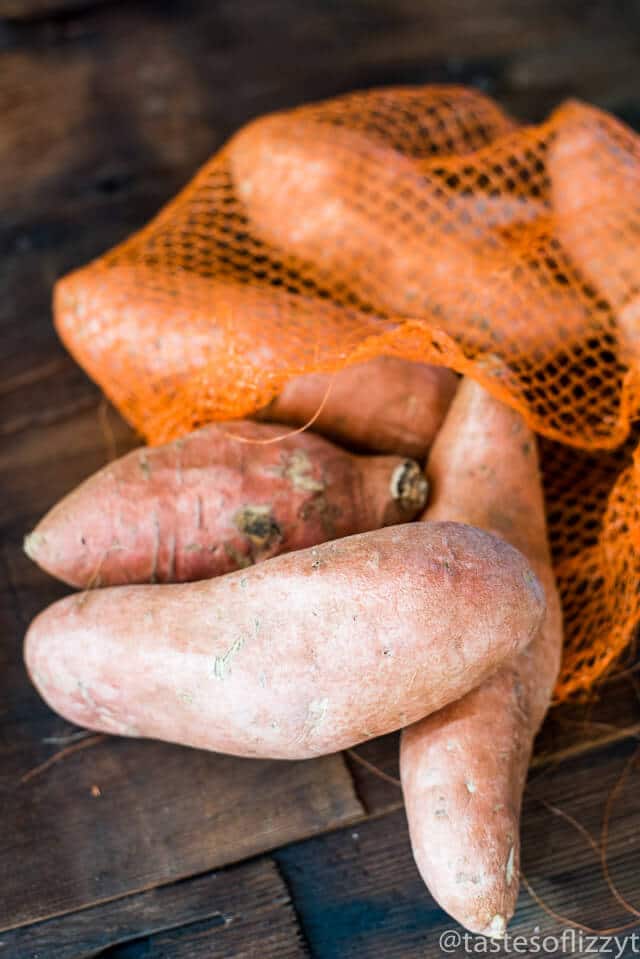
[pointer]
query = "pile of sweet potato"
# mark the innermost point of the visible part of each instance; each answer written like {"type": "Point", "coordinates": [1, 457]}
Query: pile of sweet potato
{"type": "Point", "coordinates": [268, 593]}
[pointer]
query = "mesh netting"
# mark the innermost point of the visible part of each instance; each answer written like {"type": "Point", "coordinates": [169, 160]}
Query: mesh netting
{"type": "Point", "coordinates": [422, 223]}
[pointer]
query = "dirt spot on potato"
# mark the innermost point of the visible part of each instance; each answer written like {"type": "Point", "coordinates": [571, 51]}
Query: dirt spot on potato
{"type": "Point", "coordinates": [326, 512]}
{"type": "Point", "coordinates": [259, 525]}
{"type": "Point", "coordinates": [467, 878]}
{"type": "Point", "coordinates": [240, 561]}
{"type": "Point", "coordinates": [298, 469]}
{"type": "Point", "coordinates": [145, 466]}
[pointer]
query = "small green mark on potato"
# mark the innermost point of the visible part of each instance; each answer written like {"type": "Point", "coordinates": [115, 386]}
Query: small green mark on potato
{"type": "Point", "coordinates": [510, 868]}
{"type": "Point", "coordinates": [220, 667]}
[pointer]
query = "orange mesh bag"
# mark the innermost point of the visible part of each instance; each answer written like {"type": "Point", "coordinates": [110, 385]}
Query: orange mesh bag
{"type": "Point", "coordinates": [422, 223]}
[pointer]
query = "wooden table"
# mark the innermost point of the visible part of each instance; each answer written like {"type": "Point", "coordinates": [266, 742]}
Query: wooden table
{"type": "Point", "coordinates": [127, 849]}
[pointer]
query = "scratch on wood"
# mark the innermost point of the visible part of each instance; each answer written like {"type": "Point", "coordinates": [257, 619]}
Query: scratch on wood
{"type": "Point", "coordinates": [375, 770]}
{"type": "Point", "coordinates": [65, 740]}
{"type": "Point", "coordinates": [29, 377]}
{"type": "Point", "coordinates": [60, 755]}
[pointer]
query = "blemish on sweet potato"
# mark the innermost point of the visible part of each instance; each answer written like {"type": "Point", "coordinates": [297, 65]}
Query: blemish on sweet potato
{"type": "Point", "coordinates": [239, 560]}
{"type": "Point", "coordinates": [467, 878]}
{"type": "Point", "coordinates": [221, 665]}
{"type": "Point", "coordinates": [298, 468]}
{"type": "Point", "coordinates": [259, 525]}
{"type": "Point", "coordinates": [510, 867]}
{"type": "Point", "coordinates": [153, 578]}
{"type": "Point", "coordinates": [316, 714]}
{"type": "Point", "coordinates": [497, 927]}
{"type": "Point", "coordinates": [144, 464]}
{"type": "Point", "coordinates": [409, 486]}
{"type": "Point", "coordinates": [199, 511]}
{"type": "Point", "coordinates": [328, 513]}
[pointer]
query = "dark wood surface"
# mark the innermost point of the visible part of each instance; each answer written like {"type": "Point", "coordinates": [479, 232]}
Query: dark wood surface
{"type": "Point", "coordinates": [115, 847]}
{"type": "Point", "coordinates": [219, 914]}
{"type": "Point", "coordinates": [355, 893]}
{"type": "Point", "coordinates": [358, 894]}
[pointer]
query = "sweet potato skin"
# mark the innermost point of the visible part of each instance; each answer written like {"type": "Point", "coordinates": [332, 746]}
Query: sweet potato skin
{"type": "Point", "coordinates": [304, 654]}
{"type": "Point", "coordinates": [463, 769]}
{"type": "Point", "coordinates": [302, 185]}
{"type": "Point", "coordinates": [595, 187]}
{"type": "Point", "coordinates": [198, 349]}
{"type": "Point", "coordinates": [218, 500]}
{"type": "Point", "coordinates": [387, 405]}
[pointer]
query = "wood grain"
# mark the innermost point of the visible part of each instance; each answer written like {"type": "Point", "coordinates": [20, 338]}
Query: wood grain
{"type": "Point", "coordinates": [358, 893]}
{"type": "Point", "coordinates": [32, 9]}
{"type": "Point", "coordinates": [220, 914]}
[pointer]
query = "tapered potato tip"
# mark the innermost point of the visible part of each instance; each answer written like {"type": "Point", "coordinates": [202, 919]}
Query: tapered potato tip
{"type": "Point", "coordinates": [463, 769]}
{"type": "Point", "coordinates": [50, 543]}
{"type": "Point", "coordinates": [34, 544]}
{"type": "Point", "coordinates": [42, 546]}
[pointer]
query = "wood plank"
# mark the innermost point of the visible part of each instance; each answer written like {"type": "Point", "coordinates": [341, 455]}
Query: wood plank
{"type": "Point", "coordinates": [376, 774]}
{"type": "Point", "coordinates": [31, 9]}
{"type": "Point", "coordinates": [611, 713]}
{"type": "Point", "coordinates": [43, 462]}
{"type": "Point", "coordinates": [223, 913]}
{"type": "Point", "coordinates": [358, 893]}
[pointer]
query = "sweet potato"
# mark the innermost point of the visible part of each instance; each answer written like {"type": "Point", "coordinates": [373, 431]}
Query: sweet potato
{"type": "Point", "coordinates": [370, 218]}
{"type": "Point", "coordinates": [210, 503]}
{"type": "Point", "coordinates": [196, 349]}
{"type": "Point", "coordinates": [303, 654]}
{"type": "Point", "coordinates": [595, 179]}
{"type": "Point", "coordinates": [388, 405]}
{"type": "Point", "coordinates": [463, 769]}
